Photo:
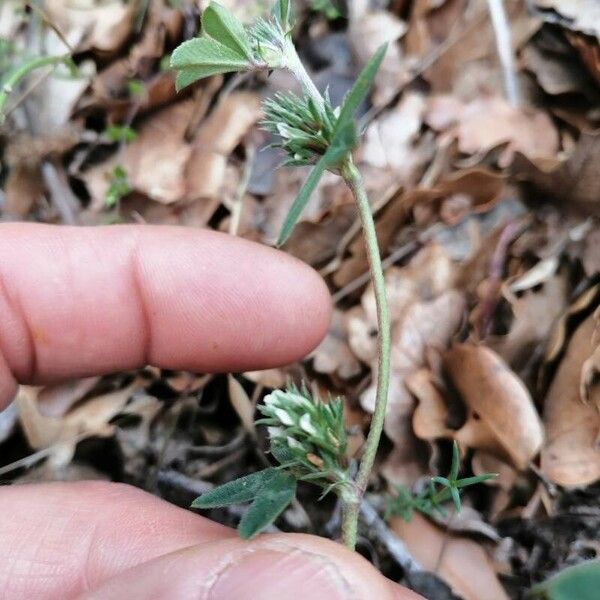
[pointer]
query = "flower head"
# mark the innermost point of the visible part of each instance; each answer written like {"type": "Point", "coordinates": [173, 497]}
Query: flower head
{"type": "Point", "coordinates": [305, 128]}
{"type": "Point", "coordinates": [307, 434]}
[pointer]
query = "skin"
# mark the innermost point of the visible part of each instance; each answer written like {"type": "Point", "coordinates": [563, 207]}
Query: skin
{"type": "Point", "coordinates": [76, 302]}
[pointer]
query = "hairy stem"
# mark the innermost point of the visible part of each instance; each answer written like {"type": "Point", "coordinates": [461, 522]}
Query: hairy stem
{"type": "Point", "coordinates": [296, 67]}
{"type": "Point", "coordinates": [354, 181]}
{"type": "Point", "coordinates": [352, 177]}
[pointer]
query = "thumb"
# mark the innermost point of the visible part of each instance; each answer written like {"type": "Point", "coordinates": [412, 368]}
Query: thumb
{"type": "Point", "coordinates": [275, 567]}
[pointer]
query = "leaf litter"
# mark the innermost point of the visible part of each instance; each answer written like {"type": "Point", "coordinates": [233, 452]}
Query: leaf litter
{"type": "Point", "coordinates": [487, 217]}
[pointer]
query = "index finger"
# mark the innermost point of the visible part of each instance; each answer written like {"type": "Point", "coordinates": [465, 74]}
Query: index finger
{"type": "Point", "coordinates": [81, 301]}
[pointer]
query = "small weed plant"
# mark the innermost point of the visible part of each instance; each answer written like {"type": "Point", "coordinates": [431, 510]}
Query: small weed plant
{"type": "Point", "coordinates": [307, 435]}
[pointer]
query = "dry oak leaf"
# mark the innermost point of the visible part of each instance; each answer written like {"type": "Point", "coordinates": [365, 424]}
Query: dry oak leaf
{"type": "Point", "coordinates": [590, 371]}
{"type": "Point", "coordinates": [425, 326]}
{"type": "Point", "coordinates": [581, 15]}
{"type": "Point", "coordinates": [61, 434]}
{"type": "Point", "coordinates": [571, 454]}
{"type": "Point", "coordinates": [487, 122]}
{"type": "Point", "coordinates": [504, 482]}
{"type": "Point", "coordinates": [389, 140]}
{"type": "Point", "coordinates": [333, 355]}
{"type": "Point", "coordinates": [589, 52]}
{"type": "Point", "coordinates": [368, 30]}
{"type": "Point", "coordinates": [167, 168]}
{"type": "Point", "coordinates": [535, 308]}
{"type": "Point", "coordinates": [461, 562]}
{"type": "Point", "coordinates": [93, 24]}
{"type": "Point", "coordinates": [557, 74]}
{"type": "Point", "coordinates": [501, 416]}
{"type": "Point", "coordinates": [574, 180]}
{"type": "Point", "coordinates": [425, 313]}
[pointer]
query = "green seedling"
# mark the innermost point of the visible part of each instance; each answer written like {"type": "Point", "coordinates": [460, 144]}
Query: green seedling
{"type": "Point", "coordinates": [438, 491]}
{"type": "Point", "coordinates": [119, 187]}
{"type": "Point", "coordinates": [120, 133]}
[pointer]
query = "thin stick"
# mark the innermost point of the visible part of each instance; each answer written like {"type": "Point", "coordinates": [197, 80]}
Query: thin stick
{"type": "Point", "coordinates": [504, 47]}
{"type": "Point", "coordinates": [354, 181]}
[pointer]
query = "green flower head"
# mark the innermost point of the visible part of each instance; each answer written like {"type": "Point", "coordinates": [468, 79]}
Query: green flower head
{"type": "Point", "coordinates": [307, 435]}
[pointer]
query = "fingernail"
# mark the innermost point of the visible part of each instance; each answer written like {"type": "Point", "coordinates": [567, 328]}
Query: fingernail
{"type": "Point", "coordinates": [266, 574]}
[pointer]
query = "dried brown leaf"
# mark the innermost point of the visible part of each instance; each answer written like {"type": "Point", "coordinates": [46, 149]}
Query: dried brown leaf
{"type": "Point", "coordinates": [61, 434]}
{"type": "Point", "coordinates": [241, 404]}
{"type": "Point", "coordinates": [571, 456]}
{"type": "Point", "coordinates": [572, 181]}
{"type": "Point", "coordinates": [501, 416]}
{"type": "Point", "coordinates": [462, 563]}
{"type": "Point", "coordinates": [487, 122]}
{"type": "Point", "coordinates": [167, 168]}
{"type": "Point", "coordinates": [581, 15]}
{"type": "Point", "coordinates": [333, 355]}
{"type": "Point", "coordinates": [102, 26]}
{"type": "Point", "coordinates": [24, 188]}
{"type": "Point", "coordinates": [541, 299]}
{"type": "Point", "coordinates": [389, 141]}
{"type": "Point", "coordinates": [368, 30]}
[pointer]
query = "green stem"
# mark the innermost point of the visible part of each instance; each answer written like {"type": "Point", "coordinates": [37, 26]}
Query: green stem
{"type": "Point", "coordinates": [354, 181]}
{"type": "Point", "coordinates": [15, 76]}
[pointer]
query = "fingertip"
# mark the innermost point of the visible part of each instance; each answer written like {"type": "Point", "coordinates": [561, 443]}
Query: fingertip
{"type": "Point", "coordinates": [270, 567]}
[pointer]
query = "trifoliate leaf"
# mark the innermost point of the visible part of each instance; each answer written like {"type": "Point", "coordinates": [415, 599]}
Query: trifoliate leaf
{"type": "Point", "coordinates": [222, 25]}
{"type": "Point", "coordinates": [241, 490]}
{"type": "Point", "coordinates": [202, 57]}
{"type": "Point", "coordinates": [275, 495]}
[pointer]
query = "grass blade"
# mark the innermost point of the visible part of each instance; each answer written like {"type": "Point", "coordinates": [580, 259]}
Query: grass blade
{"type": "Point", "coordinates": [361, 88]}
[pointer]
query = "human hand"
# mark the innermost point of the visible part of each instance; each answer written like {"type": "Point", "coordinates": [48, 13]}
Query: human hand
{"type": "Point", "coordinates": [76, 302]}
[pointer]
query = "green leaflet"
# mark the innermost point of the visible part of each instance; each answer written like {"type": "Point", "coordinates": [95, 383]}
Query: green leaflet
{"type": "Point", "coordinates": [270, 490]}
{"type": "Point", "coordinates": [223, 26]}
{"type": "Point", "coordinates": [239, 491]}
{"type": "Point", "coordinates": [202, 57]}
{"type": "Point", "coordinates": [272, 500]}
{"type": "Point", "coordinates": [581, 582]}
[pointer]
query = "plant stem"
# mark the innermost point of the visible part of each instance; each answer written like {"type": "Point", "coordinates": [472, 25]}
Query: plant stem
{"type": "Point", "coordinates": [15, 76]}
{"type": "Point", "coordinates": [354, 181]}
{"type": "Point", "coordinates": [296, 67]}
